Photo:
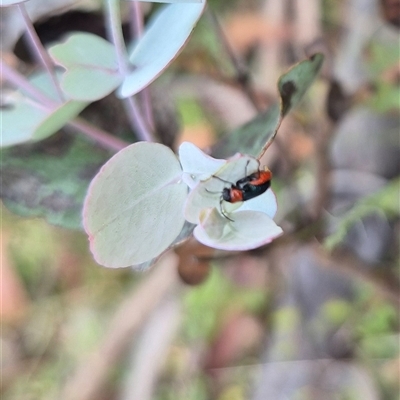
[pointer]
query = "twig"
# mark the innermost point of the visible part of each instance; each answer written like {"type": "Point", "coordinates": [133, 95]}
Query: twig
{"type": "Point", "coordinates": [323, 171]}
{"type": "Point", "coordinates": [89, 378]}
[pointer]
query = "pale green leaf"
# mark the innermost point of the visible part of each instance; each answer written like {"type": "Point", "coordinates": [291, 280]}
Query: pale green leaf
{"type": "Point", "coordinates": [91, 66]}
{"type": "Point", "coordinates": [6, 3]}
{"type": "Point", "coordinates": [249, 230]}
{"type": "Point", "coordinates": [85, 49]}
{"type": "Point", "coordinates": [163, 39]}
{"type": "Point", "coordinates": [133, 210]}
{"type": "Point", "coordinates": [24, 119]}
{"type": "Point", "coordinates": [89, 84]}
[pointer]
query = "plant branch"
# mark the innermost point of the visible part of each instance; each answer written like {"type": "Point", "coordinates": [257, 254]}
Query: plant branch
{"type": "Point", "coordinates": [40, 50]}
{"type": "Point", "coordinates": [323, 170]}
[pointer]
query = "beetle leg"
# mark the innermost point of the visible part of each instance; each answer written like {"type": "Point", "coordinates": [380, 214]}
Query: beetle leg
{"type": "Point", "coordinates": [222, 209]}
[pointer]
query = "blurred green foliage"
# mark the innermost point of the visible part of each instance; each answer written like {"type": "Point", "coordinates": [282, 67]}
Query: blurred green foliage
{"type": "Point", "coordinates": [385, 202]}
{"type": "Point", "coordinates": [383, 65]}
{"type": "Point", "coordinates": [206, 304]}
{"type": "Point", "coordinates": [190, 111]}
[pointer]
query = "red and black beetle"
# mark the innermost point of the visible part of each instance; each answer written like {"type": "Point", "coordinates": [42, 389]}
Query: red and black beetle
{"type": "Point", "coordinates": [246, 188]}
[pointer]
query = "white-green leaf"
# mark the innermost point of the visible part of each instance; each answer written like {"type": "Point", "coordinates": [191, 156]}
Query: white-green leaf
{"type": "Point", "coordinates": [84, 49]}
{"type": "Point", "coordinates": [164, 37]}
{"type": "Point", "coordinates": [196, 164]}
{"type": "Point", "coordinates": [249, 230]}
{"type": "Point", "coordinates": [25, 119]}
{"type": "Point", "coordinates": [89, 84]}
{"type": "Point", "coordinates": [134, 208]}
{"type": "Point", "coordinates": [91, 66]}
{"type": "Point", "coordinates": [6, 3]}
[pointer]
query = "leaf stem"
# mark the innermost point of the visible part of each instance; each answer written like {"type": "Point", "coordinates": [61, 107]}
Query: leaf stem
{"type": "Point", "coordinates": [114, 33]}
{"type": "Point", "coordinates": [136, 120]}
{"type": "Point", "coordinates": [136, 19]}
{"type": "Point", "coordinates": [272, 137]}
{"type": "Point", "coordinates": [101, 137]}
{"type": "Point", "coordinates": [20, 82]}
{"type": "Point", "coordinates": [41, 52]}
{"type": "Point", "coordinates": [136, 25]}
{"type": "Point", "coordinates": [114, 30]}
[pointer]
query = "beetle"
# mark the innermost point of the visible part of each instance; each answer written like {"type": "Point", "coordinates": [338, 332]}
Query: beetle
{"type": "Point", "coordinates": [245, 188]}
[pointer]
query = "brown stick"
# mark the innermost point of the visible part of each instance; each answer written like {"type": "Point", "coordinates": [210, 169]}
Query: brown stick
{"type": "Point", "coordinates": [322, 139]}
{"type": "Point", "coordinates": [88, 380]}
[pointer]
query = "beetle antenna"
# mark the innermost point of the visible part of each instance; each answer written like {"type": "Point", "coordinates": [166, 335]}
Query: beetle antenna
{"type": "Point", "coordinates": [222, 180]}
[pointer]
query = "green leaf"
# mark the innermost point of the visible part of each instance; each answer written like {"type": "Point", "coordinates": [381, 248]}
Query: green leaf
{"type": "Point", "coordinates": [252, 136]}
{"type": "Point", "coordinates": [91, 66]}
{"type": "Point", "coordinates": [386, 98]}
{"type": "Point", "coordinates": [163, 39]}
{"type": "Point", "coordinates": [293, 84]}
{"type": "Point", "coordinates": [19, 121]}
{"type": "Point", "coordinates": [134, 207]}
{"type": "Point", "coordinates": [50, 179]}
{"type": "Point", "coordinates": [89, 84]}
{"type": "Point", "coordinates": [26, 120]}
{"type": "Point", "coordinates": [382, 55]}
{"type": "Point", "coordinates": [385, 201]}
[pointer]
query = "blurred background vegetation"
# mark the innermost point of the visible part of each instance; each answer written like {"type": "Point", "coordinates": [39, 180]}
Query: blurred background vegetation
{"type": "Point", "coordinates": [315, 315]}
